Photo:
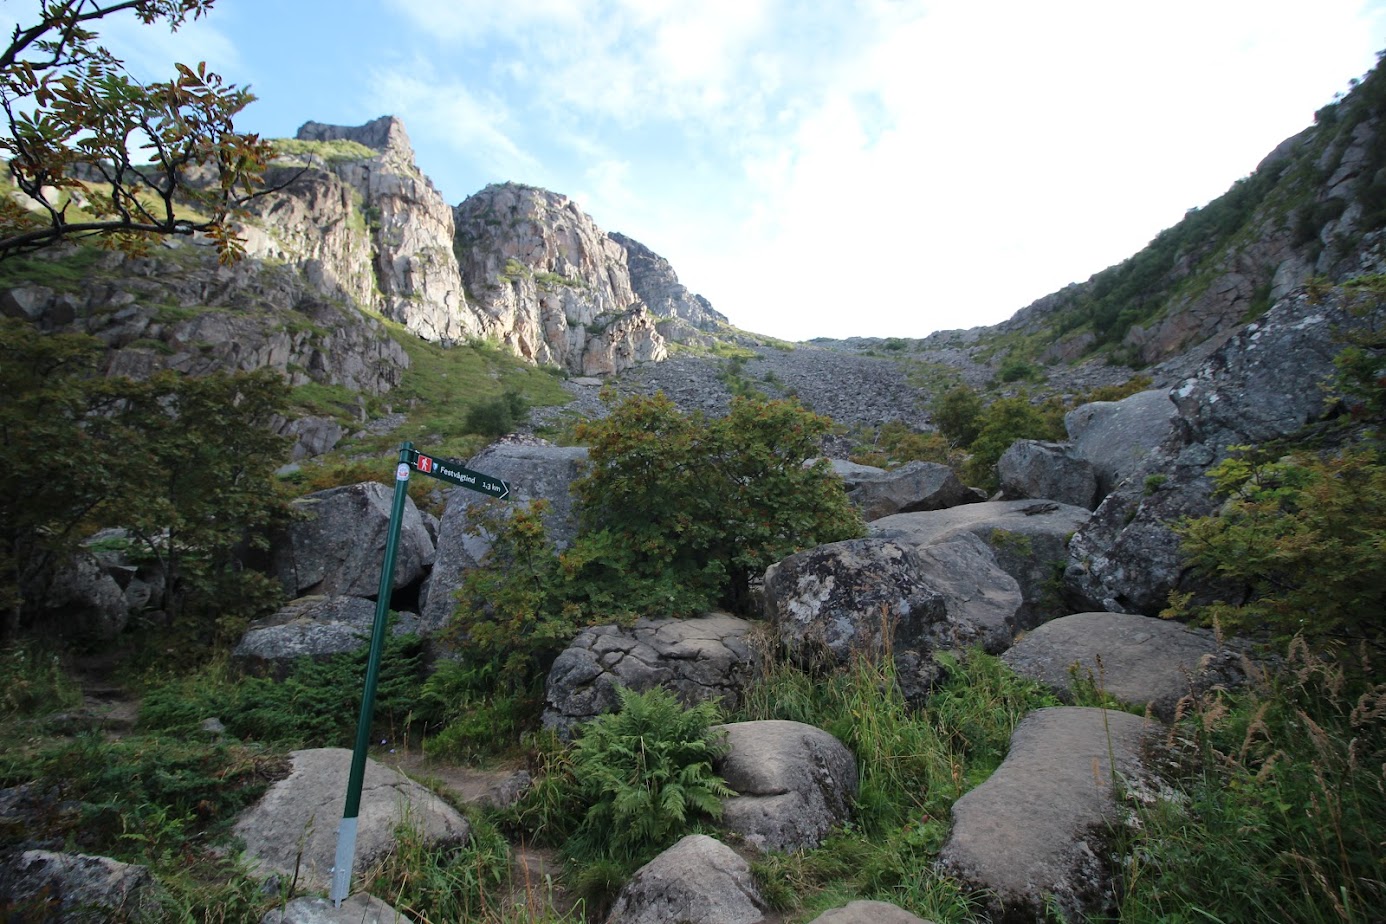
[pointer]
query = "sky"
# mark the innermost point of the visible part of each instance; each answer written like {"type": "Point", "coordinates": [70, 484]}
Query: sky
{"type": "Point", "coordinates": [815, 168]}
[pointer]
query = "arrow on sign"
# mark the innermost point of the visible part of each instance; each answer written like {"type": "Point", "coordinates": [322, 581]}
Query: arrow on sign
{"type": "Point", "coordinates": [456, 473]}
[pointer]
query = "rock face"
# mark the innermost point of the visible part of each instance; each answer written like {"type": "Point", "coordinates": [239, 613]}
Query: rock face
{"type": "Point", "coordinates": [1037, 469]}
{"type": "Point", "coordinates": [339, 546]}
{"type": "Point", "coordinates": [358, 909]}
{"type": "Point", "coordinates": [656, 283]}
{"type": "Point", "coordinates": [699, 880]}
{"type": "Point", "coordinates": [1138, 660]}
{"type": "Point", "coordinates": [794, 784]}
{"type": "Point", "coordinates": [541, 472]}
{"type": "Point", "coordinates": [868, 912]}
{"type": "Point", "coordinates": [292, 830]}
{"type": "Point", "coordinates": [1264, 382]}
{"type": "Point", "coordinates": [41, 885]}
{"type": "Point", "coordinates": [310, 627]}
{"type": "Point", "coordinates": [411, 231]}
{"type": "Point", "coordinates": [551, 284]}
{"type": "Point", "coordinates": [1032, 833]}
{"type": "Point", "coordinates": [1115, 436]}
{"type": "Point", "coordinates": [697, 659]}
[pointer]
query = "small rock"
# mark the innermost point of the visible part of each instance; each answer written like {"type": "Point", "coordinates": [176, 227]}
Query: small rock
{"type": "Point", "coordinates": [699, 880]}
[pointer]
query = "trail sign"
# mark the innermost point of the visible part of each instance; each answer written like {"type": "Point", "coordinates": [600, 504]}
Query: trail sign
{"type": "Point", "coordinates": [454, 472]}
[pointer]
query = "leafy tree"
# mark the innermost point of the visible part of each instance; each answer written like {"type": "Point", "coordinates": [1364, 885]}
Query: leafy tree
{"type": "Point", "coordinates": [102, 154]}
{"type": "Point", "coordinates": [957, 414]}
{"type": "Point", "coordinates": [1004, 421]}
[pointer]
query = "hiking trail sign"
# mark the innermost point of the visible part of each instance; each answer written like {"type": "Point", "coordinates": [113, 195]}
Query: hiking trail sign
{"type": "Point", "coordinates": [452, 472]}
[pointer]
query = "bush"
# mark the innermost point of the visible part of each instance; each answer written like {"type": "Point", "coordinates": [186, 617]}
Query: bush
{"type": "Point", "coordinates": [497, 416]}
{"type": "Point", "coordinates": [958, 414]}
{"type": "Point", "coordinates": [1004, 421]}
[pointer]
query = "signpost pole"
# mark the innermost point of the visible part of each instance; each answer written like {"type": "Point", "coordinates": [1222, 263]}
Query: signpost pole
{"type": "Point", "coordinates": [346, 834]}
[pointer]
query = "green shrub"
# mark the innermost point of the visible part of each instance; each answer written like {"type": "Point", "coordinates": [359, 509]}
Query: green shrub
{"type": "Point", "coordinates": [958, 414]}
{"type": "Point", "coordinates": [1004, 421]}
{"type": "Point", "coordinates": [497, 416]}
{"type": "Point", "coordinates": [33, 682]}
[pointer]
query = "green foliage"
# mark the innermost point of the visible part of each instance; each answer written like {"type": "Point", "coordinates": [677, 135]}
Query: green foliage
{"type": "Point", "coordinates": [1279, 814]}
{"type": "Point", "coordinates": [33, 683]}
{"type": "Point", "coordinates": [316, 705]}
{"type": "Point", "coordinates": [1004, 421]}
{"type": "Point", "coordinates": [495, 417]}
{"type": "Point", "coordinates": [1016, 369]}
{"type": "Point", "coordinates": [465, 882]}
{"type": "Point", "coordinates": [644, 775]}
{"type": "Point", "coordinates": [894, 444]}
{"type": "Point", "coordinates": [1304, 535]}
{"type": "Point", "coordinates": [71, 109]}
{"type": "Point", "coordinates": [338, 150]}
{"type": "Point", "coordinates": [704, 505]}
{"type": "Point", "coordinates": [957, 413]}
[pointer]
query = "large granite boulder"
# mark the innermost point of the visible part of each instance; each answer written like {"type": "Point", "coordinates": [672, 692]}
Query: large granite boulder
{"type": "Point", "coordinates": [1028, 538]}
{"type": "Point", "coordinates": [1049, 471]}
{"type": "Point", "coordinates": [292, 830]}
{"type": "Point", "coordinates": [534, 472]}
{"type": "Point", "coordinates": [868, 912]}
{"type": "Point", "coordinates": [311, 627]}
{"type": "Point", "coordinates": [1034, 834]}
{"type": "Point", "coordinates": [338, 547]}
{"type": "Point", "coordinates": [794, 783]}
{"type": "Point", "coordinates": [1115, 436]}
{"type": "Point", "coordinates": [1266, 381]}
{"type": "Point", "coordinates": [1138, 660]}
{"type": "Point", "coordinates": [913, 486]}
{"type": "Point", "coordinates": [699, 880]}
{"type": "Point", "coordinates": [707, 658]}
{"type": "Point", "coordinates": [42, 885]}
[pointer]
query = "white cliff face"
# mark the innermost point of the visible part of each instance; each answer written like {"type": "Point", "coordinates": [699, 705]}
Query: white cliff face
{"type": "Point", "coordinates": [551, 284]}
{"type": "Point", "coordinates": [399, 217]}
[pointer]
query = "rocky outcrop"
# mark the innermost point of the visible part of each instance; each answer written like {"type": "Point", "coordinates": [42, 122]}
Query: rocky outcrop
{"type": "Point", "coordinates": [912, 487]}
{"type": "Point", "coordinates": [1034, 833]}
{"type": "Point", "coordinates": [1115, 436]}
{"type": "Point", "coordinates": [360, 908]}
{"type": "Point", "coordinates": [708, 658]}
{"type": "Point", "coordinates": [410, 228]}
{"type": "Point", "coordinates": [292, 830]}
{"type": "Point", "coordinates": [338, 547]}
{"type": "Point", "coordinates": [794, 783]}
{"type": "Point", "coordinates": [699, 880]}
{"type": "Point", "coordinates": [551, 284]}
{"type": "Point", "coordinates": [868, 912]}
{"type": "Point", "coordinates": [1038, 469]}
{"type": "Point", "coordinates": [1137, 660]}
{"type": "Point", "coordinates": [654, 280]}
{"type": "Point", "coordinates": [534, 472]}
{"type": "Point", "coordinates": [310, 627]}
{"type": "Point", "coordinates": [41, 885]}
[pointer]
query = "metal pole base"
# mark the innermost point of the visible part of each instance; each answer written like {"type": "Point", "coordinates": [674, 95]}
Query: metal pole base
{"type": "Point", "coordinates": [345, 859]}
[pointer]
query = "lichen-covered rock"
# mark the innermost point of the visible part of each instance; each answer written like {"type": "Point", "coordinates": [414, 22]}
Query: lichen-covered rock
{"type": "Point", "coordinates": [654, 280]}
{"type": "Point", "coordinates": [1138, 660]}
{"type": "Point", "coordinates": [1035, 832]}
{"type": "Point", "coordinates": [911, 487]}
{"type": "Point", "coordinates": [1115, 436]}
{"type": "Point", "coordinates": [868, 912]}
{"type": "Point", "coordinates": [338, 548]}
{"type": "Point", "coordinates": [794, 783]}
{"type": "Point", "coordinates": [360, 908]}
{"type": "Point", "coordinates": [1048, 471]}
{"type": "Point", "coordinates": [292, 830]}
{"type": "Point", "coordinates": [534, 472]}
{"type": "Point", "coordinates": [74, 888]}
{"type": "Point", "coordinates": [311, 627]}
{"type": "Point", "coordinates": [707, 658]}
{"type": "Point", "coordinates": [699, 880]}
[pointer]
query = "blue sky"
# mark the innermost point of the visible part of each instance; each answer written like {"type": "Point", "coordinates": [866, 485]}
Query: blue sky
{"type": "Point", "coordinates": [876, 168]}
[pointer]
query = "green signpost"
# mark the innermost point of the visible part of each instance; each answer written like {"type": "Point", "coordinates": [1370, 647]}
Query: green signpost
{"type": "Point", "coordinates": [445, 470]}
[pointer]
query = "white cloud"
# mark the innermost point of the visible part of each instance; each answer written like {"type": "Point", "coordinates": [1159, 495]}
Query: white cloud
{"type": "Point", "coordinates": [149, 51]}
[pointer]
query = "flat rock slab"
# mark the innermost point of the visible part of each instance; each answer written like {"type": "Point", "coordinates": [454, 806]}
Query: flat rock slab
{"type": "Point", "coordinates": [866, 912]}
{"type": "Point", "coordinates": [1034, 833]}
{"type": "Point", "coordinates": [358, 909]}
{"type": "Point", "coordinates": [1139, 660]}
{"type": "Point", "coordinates": [699, 880]}
{"type": "Point", "coordinates": [294, 825]}
{"type": "Point", "coordinates": [41, 885]}
{"type": "Point", "coordinates": [794, 784]}
{"type": "Point", "coordinates": [695, 659]}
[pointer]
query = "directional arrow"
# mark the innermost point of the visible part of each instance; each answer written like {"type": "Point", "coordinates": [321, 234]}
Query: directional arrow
{"type": "Point", "coordinates": [455, 472]}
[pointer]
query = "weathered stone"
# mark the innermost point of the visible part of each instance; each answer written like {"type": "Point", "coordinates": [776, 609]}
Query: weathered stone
{"type": "Point", "coordinates": [868, 912]}
{"type": "Point", "coordinates": [534, 472]}
{"type": "Point", "coordinates": [42, 885]}
{"type": "Point", "coordinates": [1034, 832]}
{"type": "Point", "coordinates": [707, 658]}
{"type": "Point", "coordinates": [1029, 539]}
{"type": "Point", "coordinates": [311, 627]}
{"type": "Point", "coordinates": [339, 546]}
{"type": "Point", "coordinates": [360, 908]}
{"type": "Point", "coordinates": [84, 601]}
{"type": "Point", "coordinates": [794, 784]}
{"type": "Point", "coordinates": [654, 280]}
{"type": "Point", "coordinates": [914, 486]}
{"type": "Point", "coordinates": [699, 880]}
{"type": "Point", "coordinates": [313, 436]}
{"type": "Point", "coordinates": [1036, 469]}
{"type": "Point", "coordinates": [1114, 436]}
{"type": "Point", "coordinates": [1139, 660]}
{"type": "Point", "coordinates": [292, 830]}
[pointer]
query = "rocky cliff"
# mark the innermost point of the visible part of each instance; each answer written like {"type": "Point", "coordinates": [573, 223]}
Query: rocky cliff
{"type": "Point", "coordinates": [550, 283]}
{"type": "Point", "coordinates": [682, 313]}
